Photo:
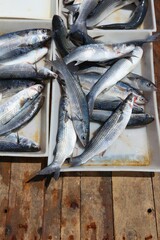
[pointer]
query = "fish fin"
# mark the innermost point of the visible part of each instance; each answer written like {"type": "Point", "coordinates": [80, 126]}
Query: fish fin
{"type": "Point", "coordinates": [76, 161]}
{"type": "Point", "coordinates": [51, 170]}
{"type": "Point", "coordinates": [103, 153]}
{"type": "Point", "coordinates": [78, 62]}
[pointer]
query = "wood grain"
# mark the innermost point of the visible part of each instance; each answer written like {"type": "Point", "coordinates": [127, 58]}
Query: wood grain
{"type": "Point", "coordinates": [24, 218]}
{"type": "Point", "coordinates": [96, 207]}
{"type": "Point", "coordinates": [70, 208]}
{"type": "Point", "coordinates": [52, 211]}
{"type": "Point", "coordinates": [133, 204]}
{"type": "Point", "coordinates": [5, 168]}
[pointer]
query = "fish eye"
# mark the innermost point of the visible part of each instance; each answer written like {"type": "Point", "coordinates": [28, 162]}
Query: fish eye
{"type": "Point", "coordinates": [83, 137]}
{"type": "Point", "coordinates": [148, 84]}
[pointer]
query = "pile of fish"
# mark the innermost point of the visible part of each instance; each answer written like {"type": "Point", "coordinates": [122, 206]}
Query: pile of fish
{"type": "Point", "coordinates": [82, 14]}
{"type": "Point", "coordinates": [21, 85]}
{"type": "Point", "coordinates": [97, 84]}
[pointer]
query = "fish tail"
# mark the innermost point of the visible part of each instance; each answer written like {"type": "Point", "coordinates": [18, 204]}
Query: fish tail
{"type": "Point", "coordinates": [76, 161]}
{"type": "Point", "coordinates": [52, 170]}
{"type": "Point", "coordinates": [153, 38]}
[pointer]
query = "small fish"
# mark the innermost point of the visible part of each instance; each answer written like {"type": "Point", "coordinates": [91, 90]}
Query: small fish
{"type": "Point", "coordinates": [108, 133]}
{"type": "Point", "coordinates": [136, 120]}
{"type": "Point", "coordinates": [60, 35]}
{"type": "Point", "coordinates": [78, 31]}
{"type": "Point", "coordinates": [140, 83]}
{"type": "Point", "coordinates": [14, 105]}
{"type": "Point", "coordinates": [66, 140]}
{"type": "Point", "coordinates": [102, 104]}
{"type": "Point", "coordinates": [30, 57]}
{"type": "Point", "coordinates": [78, 102]}
{"type": "Point", "coordinates": [24, 116]}
{"type": "Point", "coordinates": [15, 143]}
{"type": "Point", "coordinates": [115, 73]}
{"type": "Point", "coordinates": [17, 43]}
{"type": "Point", "coordinates": [104, 9]}
{"type": "Point", "coordinates": [135, 20]}
{"type": "Point", "coordinates": [25, 71]}
{"type": "Point", "coordinates": [9, 87]}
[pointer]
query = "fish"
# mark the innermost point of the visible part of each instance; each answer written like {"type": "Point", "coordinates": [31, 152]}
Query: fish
{"type": "Point", "coordinates": [136, 120]}
{"type": "Point", "coordinates": [24, 116]}
{"type": "Point", "coordinates": [16, 143]}
{"type": "Point", "coordinates": [14, 104]}
{"type": "Point", "coordinates": [78, 102]}
{"type": "Point", "coordinates": [93, 69]}
{"type": "Point", "coordinates": [31, 57]}
{"type": "Point", "coordinates": [108, 105]}
{"type": "Point", "coordinates": [65, 143]}
{"type": "Point", "coordinates": [9, 87]}
{"type": "Point", "coordinates": [14, 44]}
{"type": "Point", "coordinates": [100, 52]}
{"type": "Point", "coordinates": [135, 20]}
{"type": "Point", "coordinates": [107, 134]}
{"type": "Point", "coordinates": [25, 71]}
{"type": "Point", "coordinates": [60, 35]}
{"type": "Point", "coordinates": [115, 73]}
{"type": "Point", "coordinates": [78, 31]}
{"type": "Point", "coordinates": [139, 82]}
{"type": "Point", "coordinates": [104, 9]}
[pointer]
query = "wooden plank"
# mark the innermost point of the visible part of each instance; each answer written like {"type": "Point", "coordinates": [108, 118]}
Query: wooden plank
{"type": "Point", "coordinates": [156, 189]}
{"type": "Point", "coordinates": [133, 204]}
{"type": "Point", "coordinates": [52, 211]}
{"type": "Point", "coordinates": [70, 212]}
{"type": "Point", "coordinates": [5, 168]}
{"type": "Point", "coordinates": [24, 218]}
{"type": "Point", "coordinates": [96, 206]}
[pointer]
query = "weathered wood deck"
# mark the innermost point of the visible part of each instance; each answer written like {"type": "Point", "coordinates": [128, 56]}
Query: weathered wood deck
{"type": "Point", "coordinates": [94, 206]}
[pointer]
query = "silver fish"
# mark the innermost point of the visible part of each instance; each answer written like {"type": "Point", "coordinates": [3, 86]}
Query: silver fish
{"type": "Point", "coordinates": [66, 140]}
{"type": "Point", "coordinates": [115, 73]}
{"type": "Point", "coordinates": [24, 116]}
{"type": "Point", "coordinates": [9, 87]}
{"type": "Point", "coordinates": [26, 71]}
{"type": "Point", "coordinates": [104, 9]}
{"type": "Point", "coordinates": [78, 102]}
{"type": "Point", "coordinates": [108, 133]}
{"type": "Point", "coordinates": [136, 120]}
{"type": "Point", "coordinates": [138, 82]}
{"type": "Point", "coordinates": [135, 20]}
{"type": "Point", "coordinates": [16, 43]}
{"type": "Point", "coordinates": [15, 143]}
{"type": "Point", "coordinates": [14, 105]}
{"type": "Point", "coordinates": [30, 57]}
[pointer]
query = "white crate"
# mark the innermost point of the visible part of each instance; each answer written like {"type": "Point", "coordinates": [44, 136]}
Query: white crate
{"type": "Point", "coordinates": [135, 149]}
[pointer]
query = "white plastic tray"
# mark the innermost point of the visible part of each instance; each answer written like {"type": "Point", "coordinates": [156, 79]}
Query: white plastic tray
{"type": "Point", "coordinates": [122, 15]}
{"type": "Point", "coordinates": [30, 9]}
{"type": "Point", "coordinates": [38, 129]}
{"type": "Point", "coordinates": [134, 150]}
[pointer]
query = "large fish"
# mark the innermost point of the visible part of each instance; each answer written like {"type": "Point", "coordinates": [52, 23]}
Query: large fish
{"type": "Point", "coordinates": [135, 20]}
{"type": "Point", "coordinates": [15, 143]}
{"type": "Point", "coordinates": [104, 9]}
{"type": "Point", "coordinates": [66, 140]}
{"type": "Point", "coordinates": [25, 71]}
{"type": "Point", "coordinates": [78, 102]}
{"type": "Point", "coordinates": [115, 73]}
{"type": "Point", "coordinates": [60, 35]}
{"type": "Point", "coordinates": [136, 120]}
{"type": "Point", "coordinates": [24, 116]}
{"type": "Point", "coordinates": [16, 43]}
{"type": "Point", "coordinates": [108, 133]}
{"type": "Point", "coordinates": [105, 52]}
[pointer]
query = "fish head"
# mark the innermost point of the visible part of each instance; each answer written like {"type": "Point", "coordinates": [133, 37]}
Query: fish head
{"type": "Point", "coordinates": [39, 36]}
{"type": "Point", "coordinates": [35, 90]}
{"type": "Point", "coordinates": [47, 73]}
{"type": "Point", "coordinates": [149, 118]}
{"type": "Point", "coordinates": [124, 48]}
{"type": "Point", "coordinates": [57, 22]}
{"type": "Point", "coordinates": [30, 144]}
{"type": "Point", "coordinates": [147, 85]}
{"type": "Point", "coordinates": [140, 99]}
